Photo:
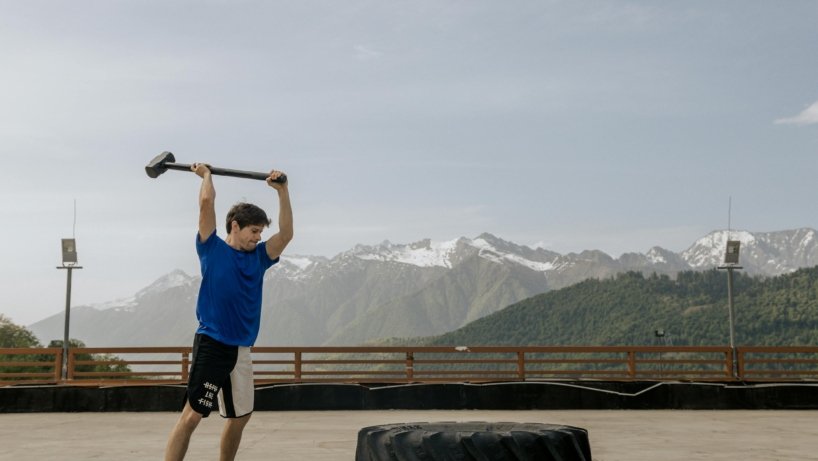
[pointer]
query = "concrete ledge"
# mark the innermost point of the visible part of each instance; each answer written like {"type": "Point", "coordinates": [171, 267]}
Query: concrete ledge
{"type": "Point", "coordinates": [562, 395]}
{"type": "Point", "coordinates": [97, 399]}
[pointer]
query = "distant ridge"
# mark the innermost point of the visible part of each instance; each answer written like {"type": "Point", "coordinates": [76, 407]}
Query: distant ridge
{"type": "Point", "coordinates": [423, 288]}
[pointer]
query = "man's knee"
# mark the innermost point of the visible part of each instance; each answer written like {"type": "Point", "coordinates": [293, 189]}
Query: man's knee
{"type": "Point", "coordinates": [239, 422]}
{"type": "Point", "coordinates": [190, 417]}
{"type": "Point", "coordinates": [242, 420]}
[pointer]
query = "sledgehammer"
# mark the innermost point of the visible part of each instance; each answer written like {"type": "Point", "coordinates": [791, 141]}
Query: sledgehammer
{"type": "Point", "coordinates": [166, 161]}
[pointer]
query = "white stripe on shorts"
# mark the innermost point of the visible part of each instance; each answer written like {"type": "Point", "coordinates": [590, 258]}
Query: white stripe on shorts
{"type": "Point", "coordinates": [241, 382]}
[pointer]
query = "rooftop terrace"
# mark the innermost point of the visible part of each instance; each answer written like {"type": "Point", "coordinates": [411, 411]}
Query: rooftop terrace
{"type": "Point", "coordinates": [667, 435]}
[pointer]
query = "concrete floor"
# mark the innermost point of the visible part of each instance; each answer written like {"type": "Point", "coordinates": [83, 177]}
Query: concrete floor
{"type": "Point", "coordinates": [664, 435]}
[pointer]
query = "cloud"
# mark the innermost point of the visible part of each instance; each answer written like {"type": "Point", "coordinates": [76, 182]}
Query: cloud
{"type": "Point", "coordinates": [365, 54]}
{"type": "Point", "coordinates": [808, 116]}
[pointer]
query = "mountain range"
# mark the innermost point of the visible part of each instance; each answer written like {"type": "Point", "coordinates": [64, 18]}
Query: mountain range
{"type": "Point", "coordinates": [423, 288]}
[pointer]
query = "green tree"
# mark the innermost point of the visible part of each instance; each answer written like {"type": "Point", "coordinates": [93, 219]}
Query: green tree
{"type": "Point", "coordinates": [112, 367]}
{"type": "Point", "coordinates": [15, 336]}
{"type": "Point", "coordinates": [12, 335]}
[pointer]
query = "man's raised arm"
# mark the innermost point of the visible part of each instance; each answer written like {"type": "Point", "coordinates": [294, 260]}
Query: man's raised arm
{"type": "Point", "coordinates": [275, 245]}
{"type": "Point", "coordinates": [207, 201]}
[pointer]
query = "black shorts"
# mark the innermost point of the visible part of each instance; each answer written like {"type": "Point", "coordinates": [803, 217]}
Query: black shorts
{"type": "Point", "coordinates": [222, 371]}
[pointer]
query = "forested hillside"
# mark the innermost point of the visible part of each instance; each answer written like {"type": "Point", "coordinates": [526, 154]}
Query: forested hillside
{"type": "Point", "coordinates": [627, 309]}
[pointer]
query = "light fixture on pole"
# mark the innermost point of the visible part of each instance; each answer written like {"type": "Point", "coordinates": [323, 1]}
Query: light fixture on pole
{"type": "Point", "coordinates": [731, 264]}
{"type": "Point", "coordinates": [660, 333]}
{"type": "Point", "coordinates": [660, 336]}
{"type": "Point", "coordinates": [69, 262]}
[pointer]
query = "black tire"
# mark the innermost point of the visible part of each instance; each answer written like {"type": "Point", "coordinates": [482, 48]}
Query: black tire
{"type": "Point", "coordinates": [473, 441]}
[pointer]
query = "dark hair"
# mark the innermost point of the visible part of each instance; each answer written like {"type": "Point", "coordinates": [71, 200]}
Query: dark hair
{"type": "Point", "coordinates": [246, 214]}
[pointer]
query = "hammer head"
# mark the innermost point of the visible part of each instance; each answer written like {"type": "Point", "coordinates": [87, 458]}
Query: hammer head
{"type": "Point", "coordinates": [157, 165]}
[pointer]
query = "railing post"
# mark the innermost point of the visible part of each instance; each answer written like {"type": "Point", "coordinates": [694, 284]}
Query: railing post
{"type": "Point", "coordinates": [297, 365]}
{"type": "Point", "coordinates": [728, 364]}
{"type": "Point", "coordinates": [185, 366]}
{"type": "Point", "coordinates": [632, 364]}
{"type": "Point", "coordinates": [740, 371]}
{"type": "Point", "coordinates": [410, 366]}
{"type": "Point", "coordinates": [521, 365]}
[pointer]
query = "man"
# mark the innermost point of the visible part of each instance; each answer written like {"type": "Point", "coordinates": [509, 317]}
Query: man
{"type": "Point", "coordinates": [229, 312]}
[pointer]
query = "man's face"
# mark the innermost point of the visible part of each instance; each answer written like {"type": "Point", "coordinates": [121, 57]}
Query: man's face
{"type": "Point", "coordinates": [248, 237]}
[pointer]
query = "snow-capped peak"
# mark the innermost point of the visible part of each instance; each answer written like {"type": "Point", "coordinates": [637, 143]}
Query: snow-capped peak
{"type": "Point", "coordinates": [705, 253]}
{"type": "Point", "coordinates": [302, 262]}
{"type": "Point", "coordinates": [174, 279]}
{"type": "Point", "coordinates": [655, 255]}
{"type": "Point", "coordinates": [424, 253]}
{"type": "Point", "coordinates": [122, 304]}
{"type": "Point", "coordinates": [709, 250]}
{"type": "Point", "coordinates": [488, 248]}
{"type": "Point", "coordinates": [295, 267]}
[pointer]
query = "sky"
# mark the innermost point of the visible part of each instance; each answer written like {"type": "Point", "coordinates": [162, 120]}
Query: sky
{"type": "Point", "coordinates": [610, 125]}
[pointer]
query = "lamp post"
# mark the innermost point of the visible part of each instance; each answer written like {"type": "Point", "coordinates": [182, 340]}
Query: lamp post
{"type": "Point", "coordinates": [731, 264]}
{"type": "Point", "coordinates": [69, 262]}
{"type": "Point", "coordinates": [660, 336]}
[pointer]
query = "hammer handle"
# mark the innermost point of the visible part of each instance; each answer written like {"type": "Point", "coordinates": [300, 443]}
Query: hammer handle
{"type": "Point", "coordinates": [228, 172]}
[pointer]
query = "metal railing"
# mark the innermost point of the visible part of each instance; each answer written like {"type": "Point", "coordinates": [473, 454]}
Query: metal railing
{"type": "Point", "coordinates": [170, 365]}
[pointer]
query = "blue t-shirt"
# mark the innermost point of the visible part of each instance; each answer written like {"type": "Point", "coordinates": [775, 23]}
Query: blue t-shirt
{"type": "Point", "coordinates": [229, 304]}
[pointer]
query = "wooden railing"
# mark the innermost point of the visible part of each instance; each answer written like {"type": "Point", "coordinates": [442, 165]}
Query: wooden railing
{"type": "Point", "coordinates": [30, 365]}
{"type": "Point", "coordinates": [778, 363]}
{"type": "Point", "coordinates": [170, 365]}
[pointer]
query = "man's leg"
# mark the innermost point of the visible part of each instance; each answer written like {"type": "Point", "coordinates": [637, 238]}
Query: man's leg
{"type": "Point", "coordinates": [236, 398]}
{"type": "Point", "coordinates": [231, 437]}
{"type": "Point", "coordinates": [180, 436]}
